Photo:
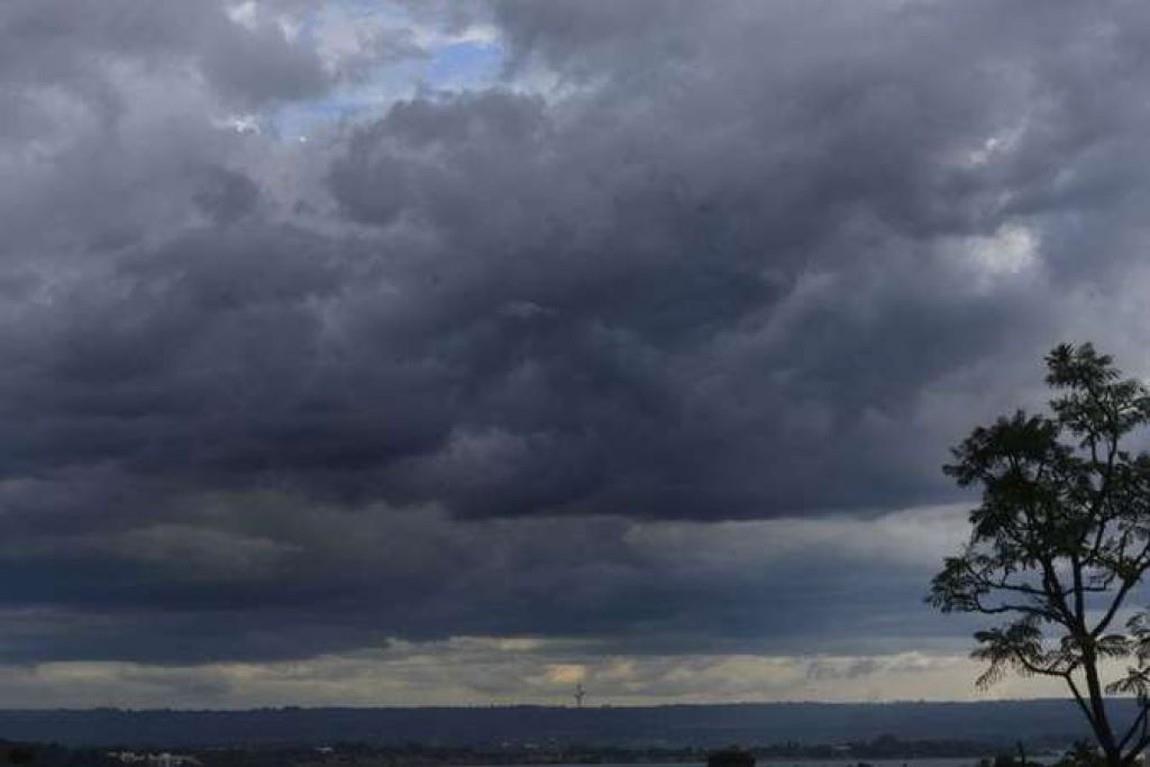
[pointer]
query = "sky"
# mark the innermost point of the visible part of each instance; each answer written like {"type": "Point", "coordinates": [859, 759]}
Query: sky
{"type": "Point", "coordinates": [379, 353]}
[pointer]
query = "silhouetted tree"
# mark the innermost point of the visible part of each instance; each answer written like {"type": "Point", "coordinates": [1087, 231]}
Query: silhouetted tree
{"type": "Point", "coordinates": [1059, 540]}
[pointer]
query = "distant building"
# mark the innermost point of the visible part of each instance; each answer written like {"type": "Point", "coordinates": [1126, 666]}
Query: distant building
{"type": "Point", "coordinates": [731, 757]}
{"type": "Point", "coordinates": [164, 759]}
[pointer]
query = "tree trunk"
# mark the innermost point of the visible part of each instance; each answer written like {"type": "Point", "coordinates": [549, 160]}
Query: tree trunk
{"type": "Point", "coordinates": [1103, 732]}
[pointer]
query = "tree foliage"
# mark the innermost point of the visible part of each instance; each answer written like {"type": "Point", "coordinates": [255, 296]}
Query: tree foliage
{"type": "Point", "coordinates": [1060, 541]}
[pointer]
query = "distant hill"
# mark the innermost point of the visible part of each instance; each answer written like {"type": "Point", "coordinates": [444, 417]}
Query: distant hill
{"type": "Point", "coordinates": [671, 726]}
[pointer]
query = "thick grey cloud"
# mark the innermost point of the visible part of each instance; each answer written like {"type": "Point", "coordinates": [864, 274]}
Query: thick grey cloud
{"type": "Point", "coordinates": [449, 368]}
{"type": "Point", "coordinates": [291, 580]}
{"type": "Point", "coordinates": [65, 42]}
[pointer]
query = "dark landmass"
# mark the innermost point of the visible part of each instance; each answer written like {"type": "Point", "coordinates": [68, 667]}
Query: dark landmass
{"type": "Point", "coordinates": [886, 747]}
{"type": "Point", "coordinates": [1040, 722]}
{"type": "Point", "coordinates": [344, 755]}
{"type": "Point", "coordinates": [18, 754]}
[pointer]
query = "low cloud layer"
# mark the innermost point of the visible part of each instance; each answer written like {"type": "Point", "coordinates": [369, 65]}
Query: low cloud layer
{"type": "Point", "coordinates": [643, 324]}
{"type": "Point", "coordinates": [478, 671]}
{"type": "Point", "coordinates": [290, 580]}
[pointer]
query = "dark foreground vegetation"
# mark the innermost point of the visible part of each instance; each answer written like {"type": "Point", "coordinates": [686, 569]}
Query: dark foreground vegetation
{"type": "Point", "coordinates": [416, 755]}
{"type": "Point", "coordinates": [859, 754]}
{"type": "Point", "coordinates": [413, 755]}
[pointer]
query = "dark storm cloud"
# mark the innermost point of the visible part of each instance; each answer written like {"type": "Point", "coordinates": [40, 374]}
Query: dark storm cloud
{"type": "Point", "coordinates": [425, 372]}
{"type": "Point", "coordinates": [290, 580]}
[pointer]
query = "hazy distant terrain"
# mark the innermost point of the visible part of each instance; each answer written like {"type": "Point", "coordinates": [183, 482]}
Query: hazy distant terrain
{"type": "Point", "coordinates": [673, 726]}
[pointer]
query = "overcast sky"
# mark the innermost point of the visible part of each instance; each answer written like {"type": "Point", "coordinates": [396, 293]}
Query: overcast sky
{"type": "Point", "coordinates": [372, 353]}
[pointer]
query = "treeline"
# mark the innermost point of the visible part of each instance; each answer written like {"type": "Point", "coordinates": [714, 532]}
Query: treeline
{"type": "Point", "coordinates": [416, 755]}
{"type": "Point", "coordinates": [882, 747]}
{"type": "Point", "coordinates": [19, 754]}
{"type": "Point", "coordinates": [886, 747]}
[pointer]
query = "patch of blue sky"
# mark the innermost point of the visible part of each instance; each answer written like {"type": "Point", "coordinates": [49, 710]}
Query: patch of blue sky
{"type": "Point", "coordinates": [466, 60]}
{"type": "Point", "coordinates": [362, 99]}
{"type": "Point", "coordinates": [462, 65]}
{"type": "Point", "coordinates": [465, 64]}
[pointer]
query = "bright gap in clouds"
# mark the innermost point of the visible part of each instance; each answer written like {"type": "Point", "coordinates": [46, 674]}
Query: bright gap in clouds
{"type": "Point", "coordinates": [384, 52]}
{"type": "Point", "coordinates": [476, 671]}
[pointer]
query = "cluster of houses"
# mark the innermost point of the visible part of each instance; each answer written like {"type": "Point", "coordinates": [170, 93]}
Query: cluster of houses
{"type": "Point", "coordinates": [155, 760]}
